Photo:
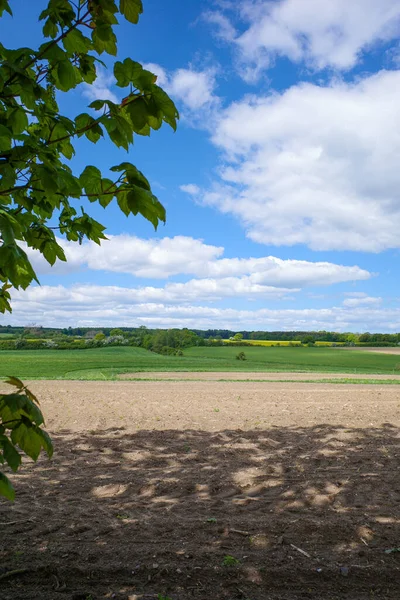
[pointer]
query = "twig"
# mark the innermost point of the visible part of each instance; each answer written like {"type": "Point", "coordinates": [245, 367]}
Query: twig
{"type": "Point", "coordinates": [12, 573]}
{"type": "Point", "coordinates": [239, 531]}
{"type": "Point", "coordinates": [301, 551]}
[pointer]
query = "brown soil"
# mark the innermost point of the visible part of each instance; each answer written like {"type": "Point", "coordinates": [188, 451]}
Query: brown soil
{"type": "Point", "coordinates": [153, 484]}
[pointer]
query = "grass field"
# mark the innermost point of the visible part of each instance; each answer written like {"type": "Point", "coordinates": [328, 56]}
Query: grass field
{"type": "Point", "coordinates": [107, 363]}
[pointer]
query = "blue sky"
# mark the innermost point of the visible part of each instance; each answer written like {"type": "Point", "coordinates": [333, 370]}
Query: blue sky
{"type": "Point", "coordinates": [281, 184]}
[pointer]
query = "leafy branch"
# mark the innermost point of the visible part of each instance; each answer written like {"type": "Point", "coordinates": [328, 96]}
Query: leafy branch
{"type": "Point", "coordinates": [20, 430]}
{"type": "Point", "coordinates": [37, 181]}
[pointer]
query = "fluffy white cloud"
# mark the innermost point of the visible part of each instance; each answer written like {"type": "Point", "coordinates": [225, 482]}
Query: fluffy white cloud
{"type": "Point", "coordinates": [314, 165]}
{"type": "Point", "coordinates": [224, 27]}
{"type": "Point", "coordinates": [190, 188]}
{"type": "Point", "coordinates": [363, 301]}
{"type": "Point", "coordinates": [111, 306]}
{"type": "Point", "coordinates": [192, 87]}
{"type": "Point", "coordinates": [331, 34]}
{"type": "Point", "coordinates": [152, 258]}
{"type": "Point", "coordinates": [180, 255]}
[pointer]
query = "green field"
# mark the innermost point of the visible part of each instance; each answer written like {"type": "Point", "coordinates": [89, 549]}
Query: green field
{"type": "Point", "coordinates": [107, 363]}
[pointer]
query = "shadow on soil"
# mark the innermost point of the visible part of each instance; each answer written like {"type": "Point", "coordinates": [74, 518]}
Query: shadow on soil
{"type": "Point", "coordinates": [306, 512]}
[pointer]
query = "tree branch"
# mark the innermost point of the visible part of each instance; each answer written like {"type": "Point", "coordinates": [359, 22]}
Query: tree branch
{"type": "Point", "coordinates": [42, 54]}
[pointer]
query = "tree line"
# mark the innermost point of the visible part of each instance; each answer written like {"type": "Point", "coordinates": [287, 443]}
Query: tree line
{"type": "Point", "coordinates": [170, 341]}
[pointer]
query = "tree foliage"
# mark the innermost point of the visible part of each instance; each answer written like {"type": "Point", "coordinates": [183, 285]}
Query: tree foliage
{"type": "Point", "coordinates": [37, 180]}
{"type": "Point", "coordinates": [39, 188]}
{"type": "Point", "coordinates": [20, 428]}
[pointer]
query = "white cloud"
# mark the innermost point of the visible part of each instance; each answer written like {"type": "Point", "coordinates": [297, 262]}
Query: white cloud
{"type": "Point", "coordinates": [180, 255]}
{"type": "Point", "coordinates": [314, 165]}
{"type": "Point", "coordinates": [195, 290]}
{"type": "Point", "coordinates": [330, 33]}
{"type": "Point", "coordinates": [363, 301]}
{"type": "Point", "coordinates": [191, 189]}
{"type": "Point", "coordinates": [100, 89]}
{"type": "Point", "coordinates": [224, 27]}
{"type": "Point", "coordinates": [152, 258]}
{"type": "Point", "coordinates": [110, 306]}
{"type": "Point", "coordinates": [192, 87]}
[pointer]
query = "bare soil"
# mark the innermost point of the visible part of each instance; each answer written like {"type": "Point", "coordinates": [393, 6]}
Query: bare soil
{"type": "Point", "coordinates": [154, 484]}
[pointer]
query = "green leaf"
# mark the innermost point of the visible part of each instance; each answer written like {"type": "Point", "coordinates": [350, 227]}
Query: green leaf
{"type": "Point", "coordinates": [68, 184]}
{"type": "Point", "coordinates": [5, 138]}
{"type": "Point", "coordinates": [106, 196]}
{"type": "Point", "coordinates": [48, 178]}
{"type": "Point", "coordinates": [133, 175]}
{"type": "Point", "coordinates": [131, 71]}
{"type": "Point", "coordinates": [86, 125]}
{"type": "Point", "coordinates": [66, 75]}
{"type": "Point", "coordinates": [94, 133]}
{"type": "Point", "coordinates": [4, 6]}
{"type": "Point", "coordinates": [131, 9]}
{"type": "Point", "coordinates": [11, 455]}
{"type": "Point", "coordinates": [165, 105]}
{"type": "Point", "coordinates": [137, 200]}
{"type": "Point", "coordinates": [119, 130]}
{"type": "Point", "coordinates": [5, 298]}
{"type": "Point", "coordinates": [104, 39]}
{"type": "Point", "coordinates": [6, 489]}
{"type": "Point", "coordinates": [50, 28]}
{"type": "Point", "coordinates": [87, 68]}
{"type": "Point", "coordinates": [97, 104]}
{"type": "Point", "coordinates": [51, 251]}
{"type": "Point", "coordinates": [15, 265]}
{"type": "Point", "coordinates": [18, 121]}
{"type": "Point", "coordinates": [76, 42]}
{"type": "Point", "coordinates": [15, 382]}
{"type": "Point", "coordinates": [67, 149]}
{"type": "Point", "coordinates": [26, 436]}
{"type": "Point", "coordinates": [82, 121]}
{"type": "Point", "coordinates": [90, 176]}
{"type": "Point", "coordinates": [47, 444]}
{"type": "Point", "coordinates": [138, 113]}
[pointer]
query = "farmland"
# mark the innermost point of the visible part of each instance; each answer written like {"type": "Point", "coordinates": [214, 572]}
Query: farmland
{"type": "Point", "coordinates": [108, 363]}
{"type": "Point", "coordinates": [206, 475]}
{"type": "Point", "coordinates": [154, 485]}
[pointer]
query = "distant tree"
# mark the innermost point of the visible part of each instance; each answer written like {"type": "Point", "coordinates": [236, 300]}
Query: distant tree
{"type": "Point", "coordinates": [116, 332]}
{"type": "Point", "coordinates": [99, 337]}
{"type": "Point", "coordinates": [352, 338]}
{"type": "Point", "coordinates": [238, 337]}
{"type": "Point", "coordinates": [365, 337]}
